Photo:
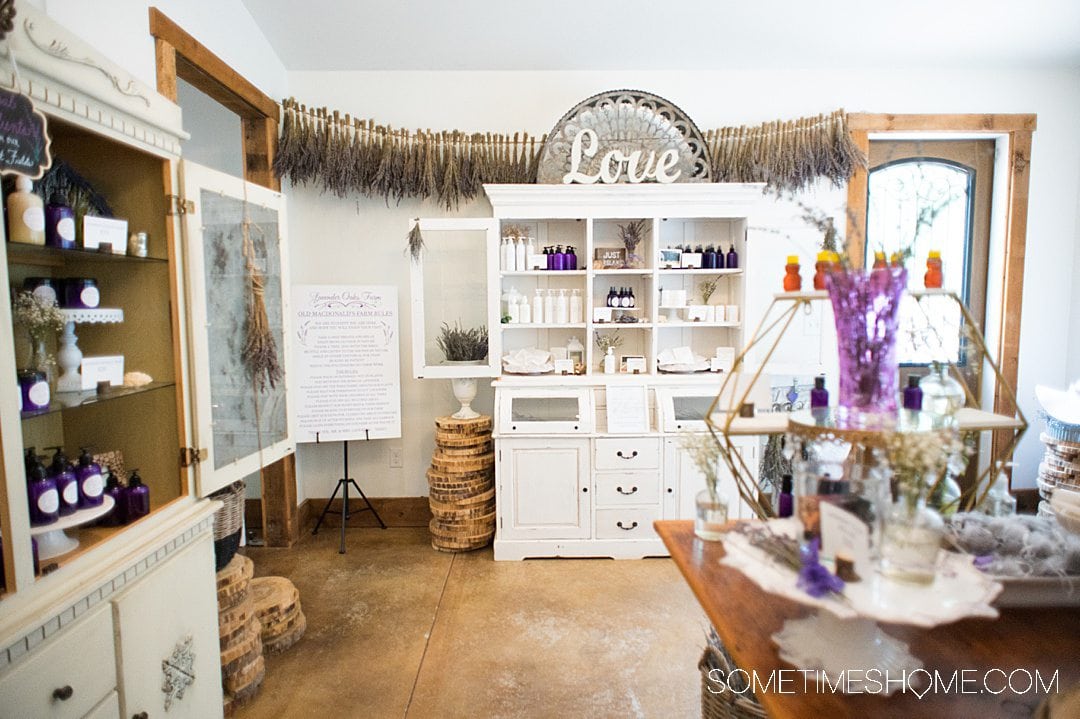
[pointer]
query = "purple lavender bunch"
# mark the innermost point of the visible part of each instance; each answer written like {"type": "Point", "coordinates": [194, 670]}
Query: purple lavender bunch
{"type": "Point", "coordinates": [814, 578]}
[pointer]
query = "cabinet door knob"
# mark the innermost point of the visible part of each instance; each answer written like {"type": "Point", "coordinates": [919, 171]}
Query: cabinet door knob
{"type": "Point", "coordinates": [619, 524]}
{"type": "Point", "coordinates": [140, 715]}
{"type": "Point", "coordinates": [63, 693]}
{"type": "Point", "coordinates": [620, 454]}
{"type": "Point", "coordinates": [620, 490]}
{"type": "Point", "coordinates": [585, 490]}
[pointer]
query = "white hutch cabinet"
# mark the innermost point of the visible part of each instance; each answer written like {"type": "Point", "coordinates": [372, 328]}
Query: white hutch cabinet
{"type": "Point", "coordinates": [566, 486]}
{"type": "Point", "coordinates": [125, 624]}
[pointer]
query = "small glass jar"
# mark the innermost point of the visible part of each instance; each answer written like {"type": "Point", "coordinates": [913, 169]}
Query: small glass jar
{"type": "Point", "coordinates": [941, 394]}
{"type": "Point", "coordinates": [911, 541]}
{"type": "Point", "coordinates": [81, 293]}
{"type": "Point", "coordinates": [34, 390]}
{"type": "Point", "coordinates": [711, 517]}
{"type": "Point", "coordinates": [45, 289]}
{"type": "Point", "coordinates": [137, 244]}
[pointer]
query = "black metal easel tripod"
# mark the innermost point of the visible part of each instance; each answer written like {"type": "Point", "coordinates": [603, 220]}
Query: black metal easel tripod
{"type": "Point", "coordinates": [343, 485]}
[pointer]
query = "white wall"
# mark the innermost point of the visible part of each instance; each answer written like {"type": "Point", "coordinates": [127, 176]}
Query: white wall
{"type": "Point", "coordinates": [361, 240]}
{"type": "Point", "coordinates": [120, 30]}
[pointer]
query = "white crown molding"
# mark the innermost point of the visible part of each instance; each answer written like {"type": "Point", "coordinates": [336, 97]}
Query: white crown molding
{"type": "Point", "coordinates": [70, 80]}
{"type": "Point", "coordinates": [689, 199]}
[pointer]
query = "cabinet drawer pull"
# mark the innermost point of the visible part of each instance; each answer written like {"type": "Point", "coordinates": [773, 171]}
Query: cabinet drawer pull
{"type": "Point", "coordinates": [619, 524]}
{"type": "Point", "coordinates": [623, 456]}
{"type": "Point", "coordinates": [620, 490]}
{"type": "Point", "coordinates": [140, 715]}
{"type": "Point", "coordinates": [63, 693]}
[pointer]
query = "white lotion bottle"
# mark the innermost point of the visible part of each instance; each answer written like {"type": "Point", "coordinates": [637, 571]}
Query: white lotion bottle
{"type": "Point", "coordinates": [609, 361]}
{"type": "Point", "coordinates": [26, 214]}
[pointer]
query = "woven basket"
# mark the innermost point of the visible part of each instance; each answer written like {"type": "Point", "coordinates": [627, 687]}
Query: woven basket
{"type": "Point", "coordinates": [228, 522]}
{"type": "Point", "coordinates": [719, 700]}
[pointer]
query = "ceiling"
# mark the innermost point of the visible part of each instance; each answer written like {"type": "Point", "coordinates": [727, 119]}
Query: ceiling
{"type": "Point", "coordinates": [665, 35]}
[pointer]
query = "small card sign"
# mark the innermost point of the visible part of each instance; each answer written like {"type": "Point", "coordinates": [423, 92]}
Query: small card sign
{"type": "Point", "coordinates": [844, 533]}
{"type": "Point", "coordinates": [627, 409]}
{"type": "Point", "coordinates": [609, 258]}
{"type": "Point", "coordinates": [24, 137]}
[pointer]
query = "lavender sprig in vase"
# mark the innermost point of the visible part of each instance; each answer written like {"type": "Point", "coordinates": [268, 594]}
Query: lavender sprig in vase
{"type": "Point", "coordinates": [865, 308]}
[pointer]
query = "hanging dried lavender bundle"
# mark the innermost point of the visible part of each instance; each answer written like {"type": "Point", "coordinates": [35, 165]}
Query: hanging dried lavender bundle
{"type": "Point", "coordinates": [416, 242]}
{"type": "Point", "coordinates": [260, 350]}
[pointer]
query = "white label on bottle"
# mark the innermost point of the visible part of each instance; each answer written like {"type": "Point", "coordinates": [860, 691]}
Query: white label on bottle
{"type": "Point", "coordinates": [34, 218]}
{"type": "Point", "coordinates": [92, 486]}
{"type": "Point", "coordinates": [49, 502]}
{"type": "Point", "coordinates": [71, 493]}
{"type": "Point", "coordinates": [46, 294]}
{"type": "Point", "coordinates": [90, 296]}
{"type": "Point", "coordinates": [66, 229]}
{"type": "Point", "coordinates": [39, 393]}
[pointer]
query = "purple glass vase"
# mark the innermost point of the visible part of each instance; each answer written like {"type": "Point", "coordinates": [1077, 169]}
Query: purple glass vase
{"type": "Point", "coordinates": [865, 307]}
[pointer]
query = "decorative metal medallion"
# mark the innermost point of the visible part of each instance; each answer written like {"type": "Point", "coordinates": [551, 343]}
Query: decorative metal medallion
{"type": "Point", "coordinates": [624, 136]}
{"type": "Point", "coordinates": [179, 671]}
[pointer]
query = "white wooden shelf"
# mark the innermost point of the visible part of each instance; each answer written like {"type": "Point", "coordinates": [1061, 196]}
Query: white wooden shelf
{"type": "Point", "coordinates": [698, 271]}
{"type": "Point", "coordinates": [538, 273]}
{"type": "Point", "coordinates": [544, 326]}
{"type": "Point", "coordinates": [685, 325]}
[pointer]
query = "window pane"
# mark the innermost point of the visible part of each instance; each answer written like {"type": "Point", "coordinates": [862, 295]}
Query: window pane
{"type": "Point", "coordinates": [924, 205]}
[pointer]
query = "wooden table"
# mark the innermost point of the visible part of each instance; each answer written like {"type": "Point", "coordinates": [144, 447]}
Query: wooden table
{"type": "Point", "coordinates": [745, 617]}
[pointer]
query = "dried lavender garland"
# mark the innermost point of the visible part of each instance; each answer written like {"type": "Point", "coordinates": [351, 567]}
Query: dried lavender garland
{"type": "Point", "coordinates": [346, 155]}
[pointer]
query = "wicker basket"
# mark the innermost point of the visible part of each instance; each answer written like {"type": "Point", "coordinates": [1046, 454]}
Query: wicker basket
{"type": "Point", "coordinates": [228, 523]}
{"type": "Point", "coordinates": [720, 700]}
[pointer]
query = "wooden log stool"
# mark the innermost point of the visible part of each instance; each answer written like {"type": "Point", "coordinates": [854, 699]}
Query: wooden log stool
{"type": "Point", "coordinates": [462, 484]}
{"type": "Point", "coordinates": [240, 633]}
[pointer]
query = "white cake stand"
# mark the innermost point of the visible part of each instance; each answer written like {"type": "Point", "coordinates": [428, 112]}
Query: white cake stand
{"type": "Point", "coordinates": [51, 539]}
{"type": "Point", "coordinates": [844, 633]}
{"type": "Point", "coordinates": [69, 356]}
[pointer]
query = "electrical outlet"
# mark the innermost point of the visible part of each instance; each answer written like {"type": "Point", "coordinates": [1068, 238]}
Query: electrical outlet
{"type": "Point", "coordinates": [397, 458]}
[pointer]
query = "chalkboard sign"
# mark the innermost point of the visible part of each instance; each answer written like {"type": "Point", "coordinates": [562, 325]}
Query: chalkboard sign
{"type": "Point", "coordinates": [24, 137]}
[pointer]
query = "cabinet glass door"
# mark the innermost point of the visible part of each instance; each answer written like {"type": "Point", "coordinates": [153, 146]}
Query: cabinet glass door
{"type": "Point", "coordinates": [451, 287]}
{"type": "Point", "coordinates": [242, 427]}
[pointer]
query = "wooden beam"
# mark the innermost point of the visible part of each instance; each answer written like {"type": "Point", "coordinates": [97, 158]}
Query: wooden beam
{"type": "Point", "coordinates": [254, 102]}
{"type": "Point", "coordinates": [260, 144]}
{"type": "Point", "coordinates": [856, 203]}
{"type": "Point", "coordinates": [1013, 281]}
{"type": "Point", "coordinates": [887, 122]}
{"type": "Point", "coordinates": [165, 54]}
{"type": "Point", "coordinates": [281, 526]}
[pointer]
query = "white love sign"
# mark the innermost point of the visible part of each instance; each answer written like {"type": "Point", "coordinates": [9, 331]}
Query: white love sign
{"type": "Point", "coordinates": [615, 162]}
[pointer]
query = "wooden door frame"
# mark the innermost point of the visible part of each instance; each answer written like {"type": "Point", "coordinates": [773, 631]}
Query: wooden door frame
{"type": "Point", "coordinates": [179, 55]}
{"type": "Point", "coordinates": [1018, 128]}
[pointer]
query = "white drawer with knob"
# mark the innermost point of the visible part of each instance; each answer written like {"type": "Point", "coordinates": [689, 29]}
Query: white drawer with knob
{"type": "Point", "coordinates": [67, 676]}
{"type": "Point", "coordinates": [626, 523]}
{"type": "Point", "coordinates": [628, 453]}
{"type": "Point", "coordinates": [619, 488]}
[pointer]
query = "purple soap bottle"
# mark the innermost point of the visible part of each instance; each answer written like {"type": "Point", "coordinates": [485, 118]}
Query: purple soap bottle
{"type": "Point", "coordinates": [41, 492]}
{"type": "Point", "coordinates": [67, 484]}
{"type": "Point", "coordinates": [819, 396]}
{"type": "Point", "coordinates": [558, 261]}
{"type": "Point", "coordinates": [732, 258]}
{"type": "Point", "coordinates": [91, 485]}
{"type": "Point", "coordinates": [913, 393]}
{"type": "Point", "coordinates": [786, 505]}
{"type": "Point", "coordinates": [136, 498]}
{"type": "Point", "coordinates": [117, 515]}
{"type": "Point", "coordinates": [571, 258]}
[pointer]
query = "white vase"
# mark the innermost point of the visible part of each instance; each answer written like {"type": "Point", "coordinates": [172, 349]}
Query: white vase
{"type": "Point", "coordinates": [465, 393]}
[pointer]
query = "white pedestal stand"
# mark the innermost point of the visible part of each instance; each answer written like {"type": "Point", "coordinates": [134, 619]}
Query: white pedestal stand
{"type": "Point", "coordinates": [69, 356]}
{"type": "Point", "coordinates": [465, 393]}
{"type": "Point", "coordinates": [51, 539]}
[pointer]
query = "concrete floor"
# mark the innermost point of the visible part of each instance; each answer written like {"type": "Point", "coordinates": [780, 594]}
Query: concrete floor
{"type": "Point", "coordinates": [396, 629]}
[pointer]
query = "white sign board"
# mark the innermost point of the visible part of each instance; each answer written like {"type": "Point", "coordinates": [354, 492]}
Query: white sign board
{"type": "Point", "coordinates": [346, 381]}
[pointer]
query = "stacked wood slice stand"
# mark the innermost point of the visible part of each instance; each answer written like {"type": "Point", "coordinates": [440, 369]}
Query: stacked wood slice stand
{"type": "Point", "coordinates": [242, 664]}
{"type": "Point", "coordinates": [277, 605]}
{"type": "Point", "coordinates": [462, 482]}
